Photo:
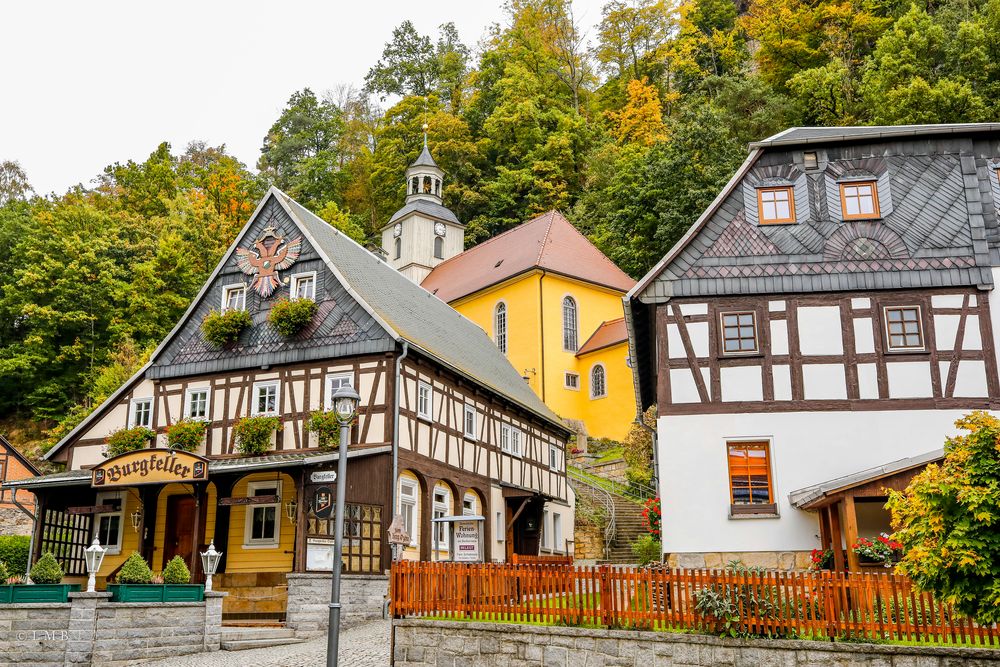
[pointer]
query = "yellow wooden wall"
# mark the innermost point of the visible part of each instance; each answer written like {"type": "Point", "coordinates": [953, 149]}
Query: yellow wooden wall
{"type": "Point", "coordinates": [279, 558]}
{"type": "Point", "coordinates": [614, 414]}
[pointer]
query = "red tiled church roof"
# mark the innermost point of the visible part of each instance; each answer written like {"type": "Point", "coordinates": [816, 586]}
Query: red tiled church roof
{"type": "Point", "coordinates": [609, 333]}
{"type": "Point", "coordinates": [547, 242]}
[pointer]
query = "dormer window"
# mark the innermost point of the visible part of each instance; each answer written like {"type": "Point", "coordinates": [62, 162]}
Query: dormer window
{"type": "Point", "coordinates": [859, 200]}
{"type": "Point", "coordinates": [303, 286]}
{"type": "Point", "coordinates": [776, 206]}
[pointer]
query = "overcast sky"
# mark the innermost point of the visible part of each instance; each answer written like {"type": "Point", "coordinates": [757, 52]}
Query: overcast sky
{"type": "Point", "coordinates": [87, 84]}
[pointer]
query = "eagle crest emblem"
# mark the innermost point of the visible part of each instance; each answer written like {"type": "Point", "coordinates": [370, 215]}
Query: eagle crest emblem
{"type": "Point", "coordinates": [270, 253]}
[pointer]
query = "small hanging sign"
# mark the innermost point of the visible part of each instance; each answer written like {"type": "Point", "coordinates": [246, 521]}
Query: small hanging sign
{"type": "Point", "coordinates": [91, 509]}
{"type": "Point", "coordinates": [397, 531]}
{"type": "Point", "coordinates": [323, 502]}
{"type": "Point", "coordinates": [250, 500]}
{"type": "Point", "coordinates": [323, 476]}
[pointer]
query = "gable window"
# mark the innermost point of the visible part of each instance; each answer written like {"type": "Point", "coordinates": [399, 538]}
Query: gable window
{"type": "Point", "coordinates": [234, 297]}
{"type": "Point", "coordinates": [425, 401]}
{"type": "Point", "coordinates": [265, 398]}
{"type": "Point", "coordinates": [554, 457]}
{"type": "Point", "coordinates": [859, 200]}
{"type": "Point", "coordinates": [571, 381]}
{"type": "Point", "coordinates": [739, 333]}
{"type": "Point", "coordinates": [569, 325]}
{"type": "Point", "coordinates": [598, 382]}
{"type": "Point", "coordinates": [262, 527]}
{"type": "Point", "coordinates": [196, 405]}
{"type": "Point", "coordinates": [303, 286]}
{"type": "Point", "coordinates": [903, 329]}
{"type": "Point", "coordinates": [775, 205]}
{"type": "Point", "coordinates": [398, 250]}
{"type": "Point", "coordinates": [335, 381]}
{"type": "Point", "coordinates": [500, 326]}
{"type": "Point", "coordinates": [141, 413]}
{"type": "Point", "coordinates": [108, 525]}
{"type": "Point", "coordinates": [750, 477]}
{"type": "Point", "coordinates": [470, 422]}
{"type": "Point", "coordinates": [438, 247]}
{"type": "Point", "coordinates": [408, 508]}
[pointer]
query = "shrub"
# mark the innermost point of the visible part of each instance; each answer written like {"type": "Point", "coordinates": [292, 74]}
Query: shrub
{"type": "Point", "coordinates": [253, 434]}
{"type": "Point", "coordinates": [46, 570]}
{"type": "Point", "coordinates": [637, 450]}
{"type": "Point", "coordinates": [221, 329]}
{"type": "Point", "coordinates": [4, 574]}
{"type": "Point", "coordinates": [651, 518]}
{"type": "Point", "coordinates": [186, 434]}
{"type": "Point", "coordinates": [14, 551]}
{"type": "Point", "coordinates": [176, 572]}
{"type": "Point", "coordinates": [291, 317]}
{"type": "Point", "coordinates": [735, 609]}
{"type": "Point", "coordinates": [647, 549]}
{"type": "Point", "coordinates": [127, 440]}
{"type": "Point", "coordinates": [135, 570]}
{"type": "Point", "coordinates": [326, 426]}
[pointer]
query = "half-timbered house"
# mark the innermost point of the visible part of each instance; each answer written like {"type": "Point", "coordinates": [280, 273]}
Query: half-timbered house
{"type": "Point", "coordinates": [814, 336]}
{"type": "Point", "coordinates": [445, 427]}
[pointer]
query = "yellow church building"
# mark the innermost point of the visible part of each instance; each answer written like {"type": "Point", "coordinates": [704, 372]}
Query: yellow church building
{"type": "Point", "coordinates": [549, 299]}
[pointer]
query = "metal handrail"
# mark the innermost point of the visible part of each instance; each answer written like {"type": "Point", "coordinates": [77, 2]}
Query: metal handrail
{"type": "Point", "coordinates": [610, 529]}
{"type": "Point", "coordinates": [635, 491]}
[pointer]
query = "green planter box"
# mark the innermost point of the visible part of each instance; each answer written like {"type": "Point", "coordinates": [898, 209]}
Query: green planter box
{"type": "Point", "coordinates": [29, 593]}
{"type": "Point", "coordinates": [156, 592]}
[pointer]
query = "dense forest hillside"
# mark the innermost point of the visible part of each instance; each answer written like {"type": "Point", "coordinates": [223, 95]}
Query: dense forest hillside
{"type": "Point", "coordinates": [630, 131]}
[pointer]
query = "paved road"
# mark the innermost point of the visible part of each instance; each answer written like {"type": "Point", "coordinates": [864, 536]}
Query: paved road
{"type": "Point", "coordinates": [364, 645]}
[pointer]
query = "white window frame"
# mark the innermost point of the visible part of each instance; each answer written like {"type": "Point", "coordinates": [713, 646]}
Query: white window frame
{"type": "Point", "coordinates": [226, 289]}
{"type": "Point", "coordinates": [554, 458]}
{"type": "Point", "coordinates": [255, 398]}
{"type": "Point", "coordinates": [102, 498]}
{"type": "Point", "coordinates": [474, 499]}
{"type": "Point", "coordinates": [516, 442]}
{"type": "Point", "coordinates": [132, 411]}
{"type": "Point", "coordinates": [920, 329]}
{"type": "Point", "coordinates": [328, 386]}
{"type": "Point", "coordinates": [470, 411]}
{"type": "Point", "coordinates": [604, 371]}
{"type": "Point", "coordinates": [191, 391]}
{"type": "Point", "coordinates": [557, 540]}
{"type": "Point", "coordinates": [409, 507]}
{"type": "Point", "coordinates": [505, 430]}
{"type": "Point", "coordinates": [425, 412]}
{"type": "Point", "coordinates": [438, 510]}
{"type": "Point", "coordinates": [293, 286]}
{"type": "Point", "coordinates": [248, 541]}
{"type": "Point", "coordinates": [500, 332]}
{"type": "Point", "coordinates": [566, 376]}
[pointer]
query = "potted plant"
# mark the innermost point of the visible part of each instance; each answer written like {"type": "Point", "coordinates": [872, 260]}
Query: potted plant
{"type": "Point", "coordinates": [882, 549]}
{"type": "Point", "coordinates": [186, 434]}
{"type": "Point", "coordinates": [136, 583]}
{"type": "Point", "coordinates": [46, 586]}
{"type": "Point", "coordinates": [126, 440]}
{"type": "Point", "coordinates": [291, 317]}
{"type": "Point", "coordinates": [326, 426]}
{"type": "Point", "coordinates": [253, 434]}
{"type": "Point", "coordinates": [222, 329]}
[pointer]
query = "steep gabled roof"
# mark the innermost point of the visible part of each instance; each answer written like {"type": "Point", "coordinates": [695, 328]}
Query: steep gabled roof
{"type": "Point", "coordinates": [547, 242]}
{"type": "Point", "coordinates": [797, 136]}
{"type": "Point", "coordinates": [5, 444]}
{"type": "Point", "coordinates": [612, 332]}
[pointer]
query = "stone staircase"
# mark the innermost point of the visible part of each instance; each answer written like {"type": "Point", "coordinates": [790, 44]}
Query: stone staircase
{"type": "Point", "coordinates": [241, 638]}
{"type": "Point", "coordinates": [624, 525]}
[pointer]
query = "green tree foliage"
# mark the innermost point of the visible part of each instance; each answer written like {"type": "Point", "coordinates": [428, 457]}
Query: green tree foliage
{"type": "Point", "coordinates": [947, 520]}
{"type": "Point", "coordinates": [14, 183]}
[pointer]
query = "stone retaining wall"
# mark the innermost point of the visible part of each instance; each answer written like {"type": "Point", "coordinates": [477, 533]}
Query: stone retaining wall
{"type": "Point", "coordinates": [785, 561]}
{"type": "Point", "coordinates": [362, 597]}
{"type": "Point", "coordinates": [435, 643]}
{"type": "Point", "coordinates": [89, 630]}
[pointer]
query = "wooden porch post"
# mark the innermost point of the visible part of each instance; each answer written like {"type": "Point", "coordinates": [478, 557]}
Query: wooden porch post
{"type": "Point", "coordinates": [824, 528]}
{"type": "Point", "coordinates": [851, 528]}
{"type": "Point", "coordinates": [223, 489]}
{"type": "Point", "coordinates": [838, 540]}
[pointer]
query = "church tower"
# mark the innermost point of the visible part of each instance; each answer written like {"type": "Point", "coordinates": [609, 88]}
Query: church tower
{"type": "Point", "coordinates": [423, 233]}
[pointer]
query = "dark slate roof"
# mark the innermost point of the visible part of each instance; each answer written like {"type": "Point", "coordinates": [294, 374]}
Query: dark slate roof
{"type": "Point", "coordinates": [938, 218]}
{"type": "Point", "coordinates": [424, 159]}
{"type": "Point", "coordinates": [416, 316]}
{"type": "Point", "coordinates": [809, 135]}
{"type": "Point", "coordinates": [426, 207]}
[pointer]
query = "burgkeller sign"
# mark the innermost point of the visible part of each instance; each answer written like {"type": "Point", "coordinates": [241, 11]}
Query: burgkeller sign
{"type": "Point", "coordinates": [150, 466]}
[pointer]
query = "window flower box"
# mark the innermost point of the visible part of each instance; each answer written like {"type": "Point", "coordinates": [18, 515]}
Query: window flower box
{"type": "Point", "coordinates": [156, 592]}
{"type": "Point", "coordinates": [36, 593]}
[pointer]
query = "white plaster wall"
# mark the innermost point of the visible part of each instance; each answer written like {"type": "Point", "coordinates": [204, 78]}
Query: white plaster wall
{"type": "Point", "coordinates": [867, 381]}
{"type": "Point", "coordinates": [824, 381]}
{"type": "Point", "coordinates": [909, 379]}
{"type": "Point", "coordinates": [864, 341]}
{"type": "Point", "coordinates": [819, 330]}
{"type": "Point", "coordinates": [698, 331]}
{"type": "Point", "coordinates": [682, 385]}
{"type": "Point", "coordinates": [779, 337]}
{"type": "Point", "coordinates": [782, 382]}
{"type": "Point", "coordinates": [806, 448]}
{"type": "Point", "coordinates": [994, 302]}
{"type": "Point", "coordinates": [971, 379]}
{"type": "Point", "coordinates": [741, 383]}
{"type": "Point", "coordinates": [498, 552]}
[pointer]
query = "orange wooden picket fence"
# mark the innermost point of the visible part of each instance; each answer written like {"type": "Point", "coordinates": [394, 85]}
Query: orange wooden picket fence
{"type": "Point", "coordinates": [823, 605]}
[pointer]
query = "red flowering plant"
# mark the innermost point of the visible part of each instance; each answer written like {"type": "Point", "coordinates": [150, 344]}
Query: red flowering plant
{"type": "Point", "coordinates": [651, 518]}
{"type": "Point", "coordinates": [883, 549]}
{"type": "Point", "coordinates": [820, 559]}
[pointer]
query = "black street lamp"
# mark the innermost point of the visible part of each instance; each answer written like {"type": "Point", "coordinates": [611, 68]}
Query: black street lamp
{"type": "Point", "coordinates": [345, 405]}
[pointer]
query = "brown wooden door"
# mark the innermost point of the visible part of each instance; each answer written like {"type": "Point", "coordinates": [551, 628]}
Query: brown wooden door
{"type": "Point", "coordinates": [179, 538]}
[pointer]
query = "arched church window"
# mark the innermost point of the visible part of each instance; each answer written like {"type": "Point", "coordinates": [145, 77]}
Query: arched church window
{"type": "Point", "coordinates": [427, 184]}
{"type": "Point", "coordinates": [569, 325]}
{"type": "Point", "coordinates": [437, 186]}
{"type": "Point", "coordinates": [414, 185]}
{"type": "Point", "coordinates": [399, 248]}
{"type": "Point", "coordinates": [438, 247]}
{"type": "Point", "coordinates": [500, 326]}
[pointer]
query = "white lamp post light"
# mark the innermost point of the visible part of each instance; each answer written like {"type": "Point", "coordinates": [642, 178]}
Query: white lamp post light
{"type": "Point", "coordinates": [210, 563]}
{"type": "Point", "coordinates": [93, 556]}
{"type": "Point", "coordinates": [345, 404]}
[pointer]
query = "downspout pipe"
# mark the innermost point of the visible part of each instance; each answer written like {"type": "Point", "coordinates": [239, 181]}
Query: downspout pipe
{"type": "Point", "coordinates": [395, 425]}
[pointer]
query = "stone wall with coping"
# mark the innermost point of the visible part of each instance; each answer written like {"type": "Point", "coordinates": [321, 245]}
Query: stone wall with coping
{"type": "Point", "coordinates": [435, 643]}
{"type": "Point", "coordinates": [90, 630]}
{"type": "Point", "coordinates": [786, 561]}
{"type": "Point", "coordinates": [362, 597]}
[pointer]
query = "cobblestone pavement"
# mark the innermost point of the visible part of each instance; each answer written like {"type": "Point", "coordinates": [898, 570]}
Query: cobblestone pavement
{"type": "Point", "coordinates": [365, 645]}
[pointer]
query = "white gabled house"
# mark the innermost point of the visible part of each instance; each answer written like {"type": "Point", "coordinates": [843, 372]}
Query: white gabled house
{"type": "Point", "coordinates": [814, 336]}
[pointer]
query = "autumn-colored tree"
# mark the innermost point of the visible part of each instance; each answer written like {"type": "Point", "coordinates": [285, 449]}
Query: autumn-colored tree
{"type": "Point", "coordinates": [640, 121]}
